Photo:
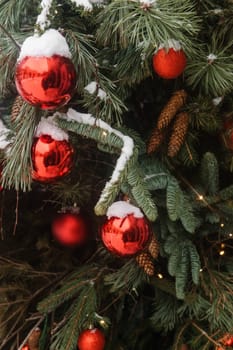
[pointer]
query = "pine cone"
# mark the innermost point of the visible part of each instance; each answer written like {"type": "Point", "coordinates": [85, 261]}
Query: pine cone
{"type": "Point", "coordinates": [33, 339]}
{"type": "Point", "coordinates": [144, 261]}
{"type": "Point", "coordinates": [155, 140]}
{"type": "Point", "coordinates": [16, 108]}
{"type": "Point", "coordinates": [153, 247]}
{"type": "Point", "coordinates": [172, 107]}
{"type": "Point", "coordinates": [179, 131]}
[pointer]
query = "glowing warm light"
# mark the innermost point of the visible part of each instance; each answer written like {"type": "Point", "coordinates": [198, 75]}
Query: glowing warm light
{"type": "Point", "coordinates": [222, 224]}
{"type": "Point", "coordinates": [200, 197]}
{"type": "Point", "coordinates": [230, 234]}
{"type": "Point", "coordinates": [160, 276]}
{"type": "Point", "coordinates": [102, 322]}
{"type": "Point", "coordinates": [222, 245]}
{"type": "Point", "coordinates": [201, 270]}
{"type": "Point", "coordinates": [104, 133]}
{"type": "Point", "coordinates": [222, 252]}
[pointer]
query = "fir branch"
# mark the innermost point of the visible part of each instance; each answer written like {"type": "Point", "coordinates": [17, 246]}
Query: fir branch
{"type": "Point", "coordinates": [18, 167]}
{"type": "Point", "coordinates": [210, 173]}
{"type": "Point", "coordinates": [129, 23]}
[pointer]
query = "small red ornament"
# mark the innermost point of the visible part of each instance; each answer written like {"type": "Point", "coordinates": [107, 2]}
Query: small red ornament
{"type": "Point", "coordinates": [91, 339]}
{"type": "Point", "coordinates": [126, 236]}
{"type": "Point", "coordinates": [227, 134]}
{"type": "Point", "coordinates": [25, 347]}
{"type": "Point", "coordinates": [46, 82]}
{"type": "Point", "coordinates": [169, 64]}
{"type": "Point", "coordinates": [70, 228]}
{"type": "Point", "coordinates": [51, 159]}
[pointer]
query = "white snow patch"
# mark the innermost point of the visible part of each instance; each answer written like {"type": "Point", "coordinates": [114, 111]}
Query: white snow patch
{"type": "Point", "coordinates": [50, 43]}
{"type": "Point", "coordinates": [211, 57]}
{"type": "Point", "coordinates": [171, 44]}
{"type": "Point", "coordinates": [121, 209]}
{"type": "Point", "coordinates": [128, 144]}
{"type": "Point", "coordinates": [3, 136]}
{"type": "Point", "coordinates": [217, 100]}
{"type": "Point", "coordinates": [148, 2]}
{"type": "Point", "coordinates": [92, 87]}
{"type": "Point", "coordinates": [42, 20]}
{"type": "Point", "coordinates": [47, 126]}
{"type": "Point", "coordinates": [85, 3]}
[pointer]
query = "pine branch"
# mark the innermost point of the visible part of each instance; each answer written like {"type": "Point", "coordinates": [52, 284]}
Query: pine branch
{"type": "Point", "coordinates": [18, 166]}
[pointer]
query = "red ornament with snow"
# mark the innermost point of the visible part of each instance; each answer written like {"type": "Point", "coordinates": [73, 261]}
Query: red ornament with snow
{"type": "Point", "coordinates": [44, 77]}
{"type": "Point", "coordinates": [169, 62]}
{"type": "Point", "coordinates": [70, 228]}
{"type": "Point", "coordinates": [126, 232]}
{"type": "Point", "coordinates": [51, 159]}
{"type": "Point", "coordinates": [91, 339]}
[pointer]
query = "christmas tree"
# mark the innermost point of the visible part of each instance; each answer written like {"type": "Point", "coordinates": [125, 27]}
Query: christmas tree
{"type": "Point", "coordinates": [116, 139]}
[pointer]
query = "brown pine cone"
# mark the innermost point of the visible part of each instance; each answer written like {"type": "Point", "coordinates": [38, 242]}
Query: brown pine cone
{"type": "Point", "coordinates": [155, 140]}
{"type": "Point", "coordinates": [16, 108]}
{"type": "Point", "coordinates": [153, 247]}
{"type": "Point", "coordinates": [172, 107]}
{"type": "Point", "coordinates": [179, 131]}
{"type": "Point", "coordinates": [33, 339]}
{"type": "Point", "coordinates": [144, 261]}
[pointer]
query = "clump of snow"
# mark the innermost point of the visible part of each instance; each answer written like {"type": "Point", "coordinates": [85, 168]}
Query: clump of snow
{"type": "Point", "coordinates": [42, 20]}
{"type": "Point", "coordinates": [93, 87]}
{"type": "Point", "coordinates": [47, 126]}
{"type": "Point", "coordinates": [217, 100]}
{"type": "Point", "coordinates": [50, 43]}
{"type": "Point", "coordinates": [4, 142]}
{"type": "Point", "coordinates": [121, 209]}
{"type": "Point", "coordinates": [128, 144]}
{"type": "Point", "coordinates": [85, 3]}
{"type": "Point", "coordinates": [171, 44]}
{"type": "Point", "coordinates": [211, 58]}
{"type": "Point", "coordinates": [148, 2]}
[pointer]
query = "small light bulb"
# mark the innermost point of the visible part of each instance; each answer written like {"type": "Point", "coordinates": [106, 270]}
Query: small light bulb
{"type": "Point", "coordinates": [160, 276]}
{"type": "Point", "coordinates": [230, 234]}
{"type": "Point", "coordinates": [222, 245]}
{"type": "Point", "coordinates": [201, 270]}
{"type": "Point", "coordinates": [222, 224]}
{"type": "Point", "coordinates": [102, 323]}
{"type": "Point", "coordinates": [222, 252]}
{"type": "Point", "coordinates": [200, 197]}
{"type": "Point", "coordinates": [104, 133]}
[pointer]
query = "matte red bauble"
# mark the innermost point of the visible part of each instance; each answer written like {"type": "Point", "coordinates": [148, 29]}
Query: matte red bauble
{"type": "Point", "coordinates": [126, 236]}
{"type": "Point", "coordinates": [227, 134]}
{"type": "Point", "coordinates": [70, 229]}
{"type": "Point", "coordinates": [45, 82]}
{"type": "Point", "coordinates": [91, 339]}
{"type": "Point", "coordinates": [51, 159]}
{"type": "Point", "coordinates": [169, 64]}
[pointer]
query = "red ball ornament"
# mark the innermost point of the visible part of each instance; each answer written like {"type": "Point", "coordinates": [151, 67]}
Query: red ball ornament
{"type": "Point", "coordinates": [45, 82]}
{"type": "Point", "coordinates": [70, 229]}
{"type": "Point", "coordinates": [91, 339]}
{"type": "Point", "coordinates": [169, 64]}
{"type": "Point", "coordinates": [51, 159]}
{"type": "Point", "coordinates": [227, 134]}
{"type": "Point", "coordinates": [126, 236]}
{"type": "Point", "coordinates": [25, 347]}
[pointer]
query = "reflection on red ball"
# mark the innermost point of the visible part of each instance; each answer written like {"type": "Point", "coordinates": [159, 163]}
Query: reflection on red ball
{"type": "Point", "coordinates": [46, 82]}
{"type": "Point", "coordinates": [51, 159]}
{"type": "Point", "coordinates": [70, 229]}
{"type": "Point", "coordinates": [91, 339]}
{"type": "Point", "coordinates": [169, 64]}
{"type": "Point", "coordinates": [126, 236]}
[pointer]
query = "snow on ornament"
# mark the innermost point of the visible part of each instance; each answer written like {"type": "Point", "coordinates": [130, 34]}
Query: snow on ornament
{"type": "Point", "coordinates": [45, 75]}
{"type": "Point", "coordinates": [52, 154]}
{"type": "Point", "coordinates": [126, 232]}
{"type": "Point", "coordinates": [169, 62]}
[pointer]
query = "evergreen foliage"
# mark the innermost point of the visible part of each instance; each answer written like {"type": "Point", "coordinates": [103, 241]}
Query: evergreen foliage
{"type": "Point", "coordinates": [188, 198]}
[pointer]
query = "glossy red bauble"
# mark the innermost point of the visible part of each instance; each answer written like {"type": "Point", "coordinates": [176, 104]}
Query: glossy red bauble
{"type": "Point", "coordinates": [45, 82]}
{"type": "Point", "coordinates": [126, 236]}
{"type": "Point", "coordinates": [51, 159]}
{"type": "Point", "coordinates": [91, 339]}
{"type": "Point", "coordinates": [70, 229]}
{"type": "Point", "coordinates": [25, 347]}
{"type": "Point", "coordinates": [169, 64]}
